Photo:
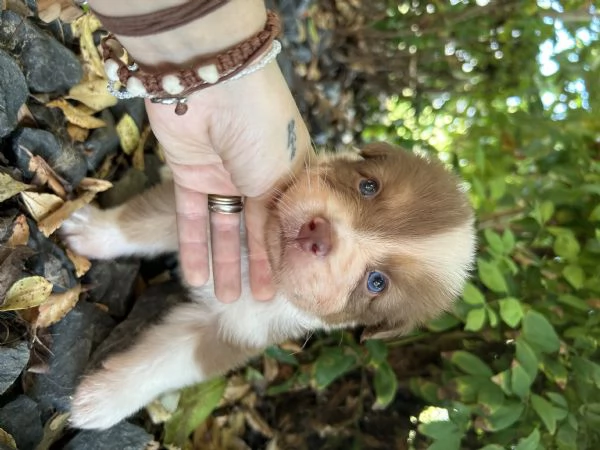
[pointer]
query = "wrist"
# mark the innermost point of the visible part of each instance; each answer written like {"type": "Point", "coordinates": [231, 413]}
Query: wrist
{"type": "Point", "coordinates": [210, 34]}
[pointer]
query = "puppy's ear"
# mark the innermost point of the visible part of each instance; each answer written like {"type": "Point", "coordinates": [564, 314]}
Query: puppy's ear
{"type": "Point", "coordinates": [385, 330]}
{"type": "Point", "coordinates": [377, 150]}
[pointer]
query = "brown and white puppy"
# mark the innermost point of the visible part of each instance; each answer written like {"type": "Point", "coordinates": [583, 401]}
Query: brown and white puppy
{"type": "Point", "coordinates": [381, 238]}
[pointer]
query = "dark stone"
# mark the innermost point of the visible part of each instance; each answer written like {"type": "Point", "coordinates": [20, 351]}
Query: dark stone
{"type": "Point", "coordinates": [50, 261]}
{"type": "Point", "coordinates": [135, 107]}
{"type": "Point", "coordinates": [48, 65]}
{"type": "Point", "coordinates": [21, 419]}
{"type": "Point", "coordinates": [131, 183]}
{"type": "Point", "coordinates": [149, 307]}
{"type": "Point", "coordinates": [13, 93]}
{"type": "Point", "coordinates": [123, 436]}
{"type": "Point", "coordinates": [72, 342]}
{"type": "Point", "coordinates": [13, 359]}
{"type": "Point", "coordinates": [111, 284]}
{"type": "Point", "coordinates": [101, 142]}
{"type": "Point", "coordinates": [68, 162]}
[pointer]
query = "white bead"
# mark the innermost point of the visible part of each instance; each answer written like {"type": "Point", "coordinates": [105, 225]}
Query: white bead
{"type": "Point", "coordinates": [172, 85]}
{"type": "Point", "coordinates": [111, 68]}
{"type": "Point", "coordinates": [135, 87]}
{"type": "Point", "coordinates": [210, 74]}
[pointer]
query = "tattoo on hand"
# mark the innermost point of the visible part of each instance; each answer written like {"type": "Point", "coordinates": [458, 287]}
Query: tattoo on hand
{"type": "Point", "coordinates": [291, 145]}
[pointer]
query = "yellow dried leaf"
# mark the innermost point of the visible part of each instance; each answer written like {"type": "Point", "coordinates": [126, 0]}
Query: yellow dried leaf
{"type": "Point", "coordinates": [76, 133]}
{"type": "Point", "coordinates": [95, 184]}
{"type": "Point", "coordinates": [27, 293]}
{"type": "Point", "coordinates": [9, 187]}
{"type": "Point", "coordinates": [44, 174]}
{"type": "Point", "coordinates": [138, 154]}
{"type": "Point", "coordinates": [40, 205]}
{"type": "Point", "coordinates": [93, 94]}
{"type": "Point", "coordinates": [88, 20]}
{"type": "Point", "coordinates": [57, 306]}
{"type": "Point", "coordinates": [7, 440]}
{"type": "Point", "coordinates": [129, 134]}
{"type": "Point", "coordinates": [89, 51]}
{"type": "Point", "coordinates": [53, 221]}
{"type": "Point", "coordinates": [81, 263]}
{"type": "Point", "coordinates": [75, 115]}
{"type": "Point", "coordinates": [20, 232]}
{"type": "Point", "coordinates": [51, 13]}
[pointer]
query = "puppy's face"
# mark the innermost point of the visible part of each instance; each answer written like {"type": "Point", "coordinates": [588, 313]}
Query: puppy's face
{"type": "Point", "coordinates": [381, 238]}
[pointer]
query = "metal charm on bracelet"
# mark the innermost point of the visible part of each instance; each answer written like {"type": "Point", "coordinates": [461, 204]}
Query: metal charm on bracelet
{"type": "Point", "coordinates": [225, 204]}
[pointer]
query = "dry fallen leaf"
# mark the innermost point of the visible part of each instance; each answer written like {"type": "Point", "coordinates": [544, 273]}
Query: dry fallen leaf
{"type": "Point", "coordinates": [138, 154]}
{"type": "Point", "coordinates": [129, 134]}
{"type": "Point", "coordinates": [81, 263]}
{"type": "Point", "coordinates": [10, 187]}
{"type": "Point", "coordinates": [57, 306]}
{"type": "Point", "coordinates": [7, 440]}
{"type": "Point", "coordinates": [27, 293]}
{"type": "Point", "coordinates": [50, 223]}
{"type": "Point", "coordinates": [93, 94]}
{"type": "Point", "coordinates": [95, 184]}
{"type": "Point", "coordinates": [40, 205]}
{"type": "Point", "coordinates": [75, 115]}
{"type": "Point", "coordinates": [77, 133]}
{"type": "Point", "coordinates": [84, 28]}
{"type": "Point", "coordinates": [20, 232]}
{"type": "Point", "coordinates": [50, 13]}
{"type": "Point", "coordinates": [45, 175]}
{"type": "Point", "coordinates": [70, 13]}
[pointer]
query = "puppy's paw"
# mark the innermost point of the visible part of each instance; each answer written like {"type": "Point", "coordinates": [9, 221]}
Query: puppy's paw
{"type": "Point", "coordinates": [93, 233]}
{"type": "Point", "coordinates": [102, 400]}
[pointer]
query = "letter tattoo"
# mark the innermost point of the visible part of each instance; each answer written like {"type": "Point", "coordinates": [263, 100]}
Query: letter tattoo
{"type": "Point", "coordinates": [291, 145]}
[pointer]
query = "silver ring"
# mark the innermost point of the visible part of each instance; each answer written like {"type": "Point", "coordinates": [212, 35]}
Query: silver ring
{"type": "Point", "coordinates": [224, 204]}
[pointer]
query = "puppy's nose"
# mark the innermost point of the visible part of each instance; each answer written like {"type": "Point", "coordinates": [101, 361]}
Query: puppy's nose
{"type": "Point", "coordinates": [315, 237]}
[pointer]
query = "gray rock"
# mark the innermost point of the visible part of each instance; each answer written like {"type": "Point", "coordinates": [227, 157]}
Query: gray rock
{"type": "Point", "coordinates": [101, 142]}
{"type": "Point", "coordinates": [111, 284]}
{"type": "Point", "coordinates": [21, 419]}
{"type": "Point", "coordinates": [48, 65]}
{"type": "Point", "coordinates": [13, 359]}
{"type": "Point", "coordinates": [123, 436]}
{"type": "Point", "coordinates": [72, 341]}
{"type": "Point", "coordinates": [13, 93]}
{"type": "Point", "coordinates": [67, 161]}
{"type": "Point", "coordinates": [148, 308]}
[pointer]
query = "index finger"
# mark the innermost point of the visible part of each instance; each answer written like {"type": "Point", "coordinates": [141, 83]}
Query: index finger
{"type": "Point", "coordinates": [192, 228]}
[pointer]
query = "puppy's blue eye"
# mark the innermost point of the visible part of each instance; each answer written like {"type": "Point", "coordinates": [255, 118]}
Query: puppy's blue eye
{"type": "Point", "coordinates": [368, 187]}
{"type": "Point", "coordinates": [376, 282]}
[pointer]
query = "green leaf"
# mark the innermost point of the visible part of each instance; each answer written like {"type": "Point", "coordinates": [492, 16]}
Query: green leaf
{"type": "Point", "coordinates": [520, 381]}
{"type": "Point", "coordinates": [281, 355]}
{"type": "Point", "coordinates": [574, 302]}
{"type": "Point", "coordinates": [440, 430]}
{"type": "Point", "coordinates": [595, 214]}
{"type": "Point", "coordinates": [491, 397]}
{"type": "Point", "coordinates": [543, 212]}
{"type": "Point", "coordinates": [386, 385]}
{"type": "Point", "coordinates": [566, 437]}
{"type": "Point", "coordinates": [540, 333]}
{"type": "Point", "coordinates": [527, 358]}
{"type": "Point", "coordinates": [469, 363]}
{"type": "Point", "coordinates": [331, 364]}
{"type": "Point", "coordinates": [492, 447]}
{"type": "Point", "coordinates": [494, 240]}
{"type": "Point", "coordinates": [444, 322]}
{"type": "Point", "coordinates": [508, 239]}
{"type": "Point", "coordinates": [195, 405]}
{"type": "Point", "coordinates": [377, 349]}
{"type": "Point", "coordinates": [472, 295]}
{"type": "Point", "coordinates": [544, 410]}
{"type": "Point", "coordinates": [558, 399]}
{"type": "Point", "coordinates": [574, 275]}
{"type": "Point", "coordinates": [531, 442]}
{"type": "Point", "coordinates": [503, 379]}
{"type": "Point", "coordinates": [511, 311]}
{"type": "Point", "coordinates": [566, 246]}
{"type": "Point", "coordinates": [492, 317]}
{"type": "Point", "coordinates": [452, 443]}
{"type": "Point", "coordinates": [475, 319]}
{"type": "Point", "coordinates": [490, 275]}
{"type": "Point", "coordinates": [504, 416]}
{"type": "Point", "coordinates": [497, 188]}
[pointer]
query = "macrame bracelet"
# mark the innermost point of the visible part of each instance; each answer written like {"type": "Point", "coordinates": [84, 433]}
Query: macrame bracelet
{"type": "Point", "coordinates": [159, 21]}
{"type": "Point", "coordinates": [172, 86]}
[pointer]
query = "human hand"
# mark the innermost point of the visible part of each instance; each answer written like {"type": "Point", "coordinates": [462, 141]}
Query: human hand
{"type": "Point", "coordinates": [231, 141]}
